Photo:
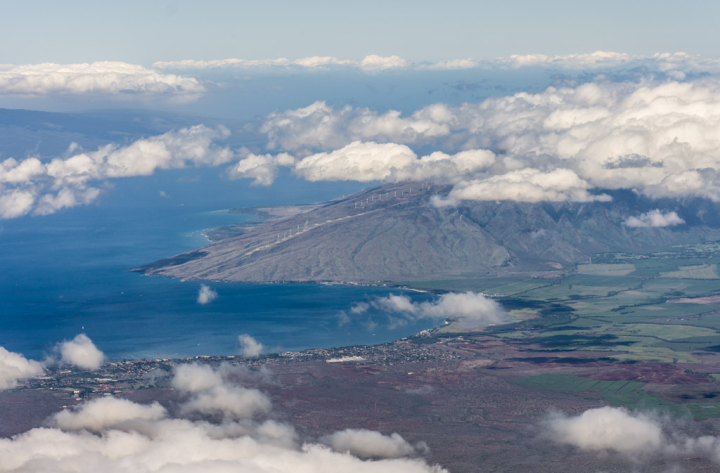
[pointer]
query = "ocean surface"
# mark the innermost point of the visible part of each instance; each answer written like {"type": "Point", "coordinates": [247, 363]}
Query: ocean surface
{"type": "Point", "coordinates": [67, 273]}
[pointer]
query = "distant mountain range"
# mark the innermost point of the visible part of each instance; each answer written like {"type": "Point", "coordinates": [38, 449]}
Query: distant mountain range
{"type": "Point", "coordinates": [394, 233]}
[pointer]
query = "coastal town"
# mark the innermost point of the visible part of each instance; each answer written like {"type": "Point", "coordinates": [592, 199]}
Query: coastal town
{"type": "Point", "coordinates": [118, 377]}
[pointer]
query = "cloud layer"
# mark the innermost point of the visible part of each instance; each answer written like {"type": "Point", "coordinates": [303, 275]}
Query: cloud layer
{"type": "Point", "coordinates": [33, 186]}
{"type": "Point", "coordinates": [366, 162]}
{"type": "Point", "coordinates": [369, 63]}
{"type": "Point", "coordinates": [673, 64]}
{"type": "Point", "coordinates": [660, 138]}
{"type": "Point", "coordinates": [117, 435]}
{"type": "Point", "coordinates": [98, 78]}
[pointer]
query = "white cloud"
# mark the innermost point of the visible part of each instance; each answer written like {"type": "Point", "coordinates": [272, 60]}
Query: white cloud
{"type": "Point", "coordinates": [319, 61]}
{"type": "Point", "coordinates": [42, 188]}
{"type": "Point", "coordinates": [369, 63]}
{"type": "Point", "coordinates": [206, 295]}
{"type": "Point", "coordinates": [15, 202]}
{"type": "Point", "coordinates": [106, 78]}
{"type": "Point", "coordinates": [366, 162]}
{"type": "Point", "coordinates": [635, 434]}
{"type": "Point", "coordinates": [659, 138]}
{"type": "Point", "coordinates": [262, 168]}
{"type": "Point", "coordinates": [15, 367]}
{"type": "Point", "coordinates": [598, 59]}
{"type": "Point", "coordinates": [320, 126]}
{"type": "Point", "coordinates": [80, 352]}
{"type": "Point", "coordinates": [229, 401]}
{"type": "Point", "coordinates": [374, 62]}
{"type": "Point", "coordinates": [368, 444]}
{"type": "Point", "coordinates": [469, 309]}
{"type": "Point", "coordinates": [609, 428]}
{"type": "Point", "coordinates": [65, 198]}
{"type": "Point", "coordinates": [249, 347]}
{"type": "Point", "coordinates": [527, 185]}
{"type": "Point", "coordinates": [654, 218]}
{"type": "Point", "coordinates": [192, 378]}
{"type": "Point", "coordinates": [357, 162]}
{"type": "Point", "coordinates": [672, 63]}
{"type": "Point", "coordinates": [452, 64]}
{"type": "Point", "coordinates": [106, 412]}
{"type": "Point", "coordinates": [121, 436]}
{"type": "Point", "coordinates": [210, 393]}
{"type": "Point", "coordinates": [181, 446]}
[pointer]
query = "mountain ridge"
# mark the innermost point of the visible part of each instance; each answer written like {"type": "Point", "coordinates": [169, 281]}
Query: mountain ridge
{"type": "Point", "coordinates": [393, 233]}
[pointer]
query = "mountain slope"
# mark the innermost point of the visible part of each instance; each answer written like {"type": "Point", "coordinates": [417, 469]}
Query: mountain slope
{"type": "Point", "coordinates": [392, 233]}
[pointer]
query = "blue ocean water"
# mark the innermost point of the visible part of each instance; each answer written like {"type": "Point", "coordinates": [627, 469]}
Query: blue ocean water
{"type": "Point", "coordinates": [67, 273]}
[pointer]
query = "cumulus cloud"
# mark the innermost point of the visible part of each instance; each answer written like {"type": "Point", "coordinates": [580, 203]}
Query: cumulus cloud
{"type": "Point", "coordinates": [608, 428]}
{"type": "Point", "coordinates": [654, 218]}
{"type": "Point", "coordinates": [192, 378]}
{"type": "Point", "coordinates": [212, 393]}
{"type": "Point", "coordinates": [357, 161]}
{"type": "Point", "coordinates": [31, 186]}
{"type": "Point", "coordinates": [106, 412]}
{"type": "Point", "coordinates": [632, 433]}
{"type": "Point", "coordinates": [659, 138]}
{"type": "Point", "coordinates": [15, 203]}
{"type": "Point", "coordinates": [80, 352]}
{"type": "Point", "coordinates": [249, 347]}
{"type": "Point", "coordinates": [206, 295]}
{"type": "Point", "coordinates": [15, 367]}
{"type": "Point", "coordinates": [468, 309]}
{"type": "Point", "coordinates": [118, 435]}
{"type": "Point", "coordinates": [106, 78]}
{"type": "Point", "coordinates": [366, 162]}
{"type": "Point", "coordinates": [325, 127]}
{"type": "Point", "coordinates": [368, 444]}
{"type": "Point", "coordinates": [263, 169]}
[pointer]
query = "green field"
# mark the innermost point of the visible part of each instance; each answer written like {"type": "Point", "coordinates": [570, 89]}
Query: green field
{"type": "Point", "coordinates": [624, 304]}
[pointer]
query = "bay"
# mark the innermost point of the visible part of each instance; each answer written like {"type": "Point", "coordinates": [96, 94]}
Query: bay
{"type": "Point", "coordinates": [67, 273]}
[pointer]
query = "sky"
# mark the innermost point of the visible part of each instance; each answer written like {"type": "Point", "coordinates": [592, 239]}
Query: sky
{"type": "Point", "coordinates": [140, 32]}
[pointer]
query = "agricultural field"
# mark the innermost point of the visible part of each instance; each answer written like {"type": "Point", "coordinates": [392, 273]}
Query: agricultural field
{"type": "Point", "coordinates": [660, 307]}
